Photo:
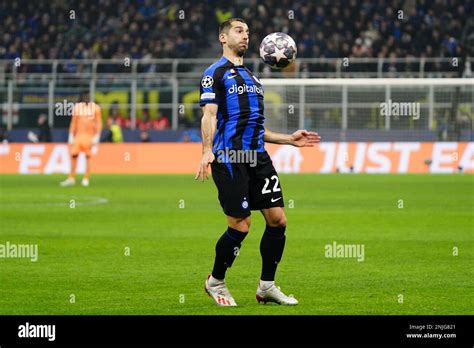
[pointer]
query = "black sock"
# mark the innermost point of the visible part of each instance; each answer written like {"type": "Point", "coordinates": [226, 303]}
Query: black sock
{"type": "Point", "coordinates": [271, 249]}
{"type": "Point", "coordinates": [227, 248]}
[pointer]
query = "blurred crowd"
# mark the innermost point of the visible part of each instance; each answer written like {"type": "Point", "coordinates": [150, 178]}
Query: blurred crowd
{"type": "Point", "coordinates": [163, 28]}
{"type": "Point", "coordinates": [49, 29]}
{"type": "Point", "coordinates": [355, 28]}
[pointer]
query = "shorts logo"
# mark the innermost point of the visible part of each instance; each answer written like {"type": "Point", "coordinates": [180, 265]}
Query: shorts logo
{"type": "Point", "coordinates": [207, 81]}
{"type": "Point", "coordinates": [245, 204]}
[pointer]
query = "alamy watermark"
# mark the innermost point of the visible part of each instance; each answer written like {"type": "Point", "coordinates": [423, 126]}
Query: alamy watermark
{"type": "Point", "coordinates": [37, 331]}
{"type": "Point", "coordinates": [336, 250]}
{"type": "Point", "coordinates": [391, 108]}
{"type": "Point", "coordinates": [26, 251]}
{"type": "Point", "coordinates": [237, 156]}
{"type": "Point", "coordinates": [66, 108]}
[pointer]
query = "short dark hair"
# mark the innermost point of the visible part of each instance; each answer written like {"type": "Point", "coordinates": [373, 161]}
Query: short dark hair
{"type": "Point", "coordinates": [225, 25]}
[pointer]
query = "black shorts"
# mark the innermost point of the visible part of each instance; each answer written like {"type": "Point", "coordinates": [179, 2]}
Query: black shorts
{"type": "Point", "coordinates": [244, 187]}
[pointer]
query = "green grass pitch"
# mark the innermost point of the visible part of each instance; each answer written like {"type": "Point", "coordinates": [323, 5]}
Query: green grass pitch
{"type": "Point", "coordinates": [170, 224]}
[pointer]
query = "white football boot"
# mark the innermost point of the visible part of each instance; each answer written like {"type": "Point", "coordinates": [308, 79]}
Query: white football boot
{"type": "Point", "coordinates": [220, 294]}
{"type": "Point", "coordinates": [274, 294]}
{"type": "Point", "coordinates": [68, 182]}
{"type": "Point", "coordinates": [85, 182]}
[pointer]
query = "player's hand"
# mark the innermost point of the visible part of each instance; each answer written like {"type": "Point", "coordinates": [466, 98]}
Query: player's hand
{"type": "Point", "coordinates": [302, 138]}
{"type": "Point", "coordinates": [207, 158]}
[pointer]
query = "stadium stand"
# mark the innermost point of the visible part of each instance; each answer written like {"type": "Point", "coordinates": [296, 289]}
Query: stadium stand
{"type": "Point", "coordinates": [145, 29]}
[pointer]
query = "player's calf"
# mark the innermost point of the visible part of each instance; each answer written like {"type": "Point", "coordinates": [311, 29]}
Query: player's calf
{"type": "Point", "coordinates": [272, 245]}
{"type": "Point", "coordinates": [227, 249]}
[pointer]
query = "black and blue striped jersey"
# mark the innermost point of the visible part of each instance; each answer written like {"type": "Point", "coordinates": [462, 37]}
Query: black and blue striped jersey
{"type": "Point", "coordinates": [240, 113]}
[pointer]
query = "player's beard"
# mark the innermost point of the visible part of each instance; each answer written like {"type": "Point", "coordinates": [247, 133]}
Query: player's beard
{"type": "Point", "coordinates": [238, 50]}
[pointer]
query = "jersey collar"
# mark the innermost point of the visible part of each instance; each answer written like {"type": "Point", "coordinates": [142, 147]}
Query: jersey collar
{"type": "Point", "coordinates": [229, 62]}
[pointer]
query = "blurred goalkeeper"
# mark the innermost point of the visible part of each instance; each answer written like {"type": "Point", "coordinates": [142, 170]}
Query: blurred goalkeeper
{"type": "Point", "coordinates": [233, 123]}
{"type": "Point", "coordinates": [84, 132]}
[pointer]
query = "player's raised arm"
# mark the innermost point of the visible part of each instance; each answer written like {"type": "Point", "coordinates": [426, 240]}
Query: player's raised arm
{"type": "Point", "coordinates": [208, 129]}
{"type": "Point", "coordinates": [299, 138]}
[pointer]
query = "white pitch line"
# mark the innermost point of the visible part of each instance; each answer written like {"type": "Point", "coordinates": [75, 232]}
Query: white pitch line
{"type": "Point", "coordinates": [89, 200]}
{"type": "Point", "coordinates": [78, 201]}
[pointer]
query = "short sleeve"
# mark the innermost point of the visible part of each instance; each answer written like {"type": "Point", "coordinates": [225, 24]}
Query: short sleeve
{"type": "Point", "coordinates": [210, 88]}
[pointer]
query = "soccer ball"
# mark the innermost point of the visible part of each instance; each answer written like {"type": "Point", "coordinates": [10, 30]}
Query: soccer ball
{"type": "Point", "coordinates": [278, 50]}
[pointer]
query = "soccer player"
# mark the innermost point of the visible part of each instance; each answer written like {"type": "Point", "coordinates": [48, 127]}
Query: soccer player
{"type": "Point", "coordinates": [232, 123]}
{"type": "Point", "coordinates": [84, 132]}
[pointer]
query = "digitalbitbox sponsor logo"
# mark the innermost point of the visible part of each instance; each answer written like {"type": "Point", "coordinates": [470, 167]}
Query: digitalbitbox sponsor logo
{"type": "Point", "coordinates": [245, 88]}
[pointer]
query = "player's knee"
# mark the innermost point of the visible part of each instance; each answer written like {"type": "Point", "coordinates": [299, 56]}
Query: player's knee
{"type": "Point", "coordinates": [278, 221]}
{"type": "Point", "coordinates": [281, 222]}
{"type": "Point", "coordinates": [240, 224]}
{"type": "Point", "coordinates": [244, 224]}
